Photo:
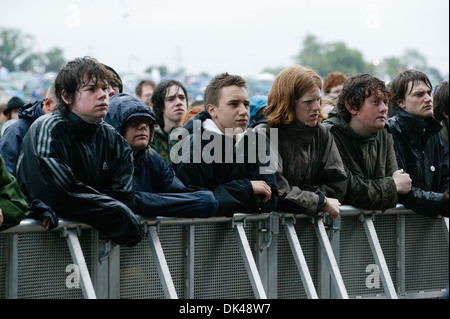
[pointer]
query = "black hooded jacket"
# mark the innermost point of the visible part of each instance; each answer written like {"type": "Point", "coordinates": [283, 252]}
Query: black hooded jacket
{"type": "Point", "coordinates": [225, 171]}
{"type": "Point", "coordinates": [158, 191]}
{"type": "Point", "coordinates": [84, 171]}
{"type": "Point", "coordinates": [421, 153]}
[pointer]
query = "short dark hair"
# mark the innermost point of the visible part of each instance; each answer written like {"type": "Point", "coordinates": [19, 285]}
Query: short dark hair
{"type": "Point", "coordinates": [159, 96]}
{"type": "Point", "coordinates": [74, 75]}
{"type": "Point", "coordinates": [440, 101]}
{"type": "Point", "coordinates": [358, 88]}
{"type": "Point", "coordinates": [399, 84]}
{"type": "Point", "coordinates": [213, 90]}
{"type": "Point", "coordinates": [141, 85]}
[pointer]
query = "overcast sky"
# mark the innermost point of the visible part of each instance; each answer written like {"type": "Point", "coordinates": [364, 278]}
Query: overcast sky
{"type": "Point", "coordinates": [237, 36]}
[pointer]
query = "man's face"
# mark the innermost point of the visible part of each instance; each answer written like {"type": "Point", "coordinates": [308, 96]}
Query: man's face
{"type": "Point", "coordinates": [233, 110]}
{"type": "Point", "coordinates": [418, 102]}
{"type": "Point", "coordinates": [92, 101]}
{"type": "Point", "coordinates": [372, 114]}
{"type": "Point", "coordinates": [174, 104]}
{"type": "Point", "coordinates": [147, 91]}
{"type": "Point", "coordinates": [307, 107]}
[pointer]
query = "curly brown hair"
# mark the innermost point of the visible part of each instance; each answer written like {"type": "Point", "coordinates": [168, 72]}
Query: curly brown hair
{"type": "Point", "coordinates": [358, 88]}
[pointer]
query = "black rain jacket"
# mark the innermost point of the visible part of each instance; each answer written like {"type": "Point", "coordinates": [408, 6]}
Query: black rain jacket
{"type": "Point", "coordinates": [202, 167]}
{"type": "Point", "coordinates": [84, 171]}
{"type": "Point", "coordinates": [420, 153]}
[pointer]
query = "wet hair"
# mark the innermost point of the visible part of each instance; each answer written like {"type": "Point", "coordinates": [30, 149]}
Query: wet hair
{"type": "Point", "coordinates": [290, 85]}
{"type": "Point", "coordinates": [333, 79]}
{"type": "Point", "coordinates": [399, 84]}
{"type": "Point", "coordinates": [440, 101]}
{"type": "Point", "coordinates": [159, 96]}
{"type": "Point", "coordinates": [76, 74]}
{"type": "Point", "coordinates": [214, 89]}
{"type": "Point", "coordinates": [358, 88]}
{"type": "Point", "coordinates": [115, 78]}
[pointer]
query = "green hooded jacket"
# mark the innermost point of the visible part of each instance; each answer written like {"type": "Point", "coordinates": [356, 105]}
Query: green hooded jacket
{"type": "Point", "coordinates": [13, 204]}
{"type": "Point", "coordinates": [309, 168]}
{"type": "Point", "coordinates": [369, 164]}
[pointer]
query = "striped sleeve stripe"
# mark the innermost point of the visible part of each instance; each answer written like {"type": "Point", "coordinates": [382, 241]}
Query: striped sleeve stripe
{"type": "Point", "coordinates": [60, 176]}
{"type": "Point", "coordinates": [44, 137]}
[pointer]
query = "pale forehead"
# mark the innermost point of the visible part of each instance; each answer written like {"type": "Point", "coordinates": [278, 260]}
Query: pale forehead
{"type": "Point", "coordinates": [311, 93]}
{"type": "Point", "coordinates": [174, 90]}
{"type": "Point", "coordinates": [417, 86]}
{"type": "Point", "coordinates": [234, 93]}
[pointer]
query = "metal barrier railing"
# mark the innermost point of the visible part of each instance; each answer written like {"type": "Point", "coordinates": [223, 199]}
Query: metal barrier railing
{"type": "Point", "coordinates": [262, 265]}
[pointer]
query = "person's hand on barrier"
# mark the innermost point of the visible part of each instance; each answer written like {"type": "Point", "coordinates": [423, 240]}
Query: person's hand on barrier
{"type": "Point", "coordinates": [332, 207]}
{"type": "Point", "coordinates": [261, 188]}
{"type": "Point", "coordinates": [1, 217]}
{"type": "Point", "coordinates": [402, 181]}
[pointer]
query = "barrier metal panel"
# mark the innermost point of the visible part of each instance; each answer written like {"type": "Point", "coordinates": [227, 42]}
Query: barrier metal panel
{"type": "Point", "coordinates": [290, 284]}
{"type": "Point", "coordinates": [204, 259]}
{"type": "Point", "coordinates": [139, 278]}
{"type": "Point", "coordinates": [219, 271]}
{"type": "Point", "coordinates": [426, 255]}
{"type": "Point", "coordinates": [356, 261]}
{"type": "Point", "coordinates": [45, 266]}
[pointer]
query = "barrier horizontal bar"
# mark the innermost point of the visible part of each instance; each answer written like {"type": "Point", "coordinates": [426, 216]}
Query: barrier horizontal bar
{"type": "Point", "coordinates": [29, 225]}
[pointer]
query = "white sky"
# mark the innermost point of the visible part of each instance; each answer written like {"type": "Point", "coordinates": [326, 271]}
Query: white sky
{"type": "Point", "coordinates": [237, 36]}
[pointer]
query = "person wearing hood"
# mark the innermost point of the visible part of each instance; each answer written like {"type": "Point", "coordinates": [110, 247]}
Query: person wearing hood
{"type": "Point", "coordinates": [11, 139]}
{"type": "Point", "coordinates": [366, 147]}
{"type": "Point", "coordinates": [214, 152]}
{"type": "Point", "coordinates": [158, 191]}
{"type": "Point", "coordinates": [257, 105]}
{"type": "Point", "coordinates": [418, 147]}
{"type": "Point", "coordinates": [310, 174]}
{"type": "Point", "coordinates": [78, 164]}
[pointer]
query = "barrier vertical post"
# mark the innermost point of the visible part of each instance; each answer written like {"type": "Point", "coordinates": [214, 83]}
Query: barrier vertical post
{"type": "Point", "coordinates": [379, 257]}
{"type": "Point", "coordinates": [11, 266]}
{"type": "Point", "coordinates": [161, 264]}
{"type": "Point", "coordinates": [249, 261]}
{"type": "Point", "coordinates": [190, 254]}
{"type": "Point", "coordinates": [78, 258]}
{"type": "Point", "coordinates": [330, 260]}
{"type": "Point", "coordinates": [300, 260]}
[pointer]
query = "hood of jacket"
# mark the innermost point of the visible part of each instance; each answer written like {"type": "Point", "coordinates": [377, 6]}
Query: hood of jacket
{"type": "Point", "coordinates": [31, 111]}
{"type": "Point", "coordinates": [411, 125]}
{"type": "Point", "coordinates": [123, 107]}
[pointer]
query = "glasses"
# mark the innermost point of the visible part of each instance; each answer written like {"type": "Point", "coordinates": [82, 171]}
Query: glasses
{"type": "Point", "coordinates": [135, 122]}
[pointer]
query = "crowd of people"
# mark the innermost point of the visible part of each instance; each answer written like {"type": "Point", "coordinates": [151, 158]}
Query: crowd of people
{"type": "Point", "coordinates": [92, 153]}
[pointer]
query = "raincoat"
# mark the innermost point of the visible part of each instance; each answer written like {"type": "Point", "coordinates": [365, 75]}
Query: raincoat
{"type": "Point", "coordinates": [369, 163]}
{"type": "Point", "coordinates": [84, 171]}
{"type": "Point", "coordinates": [422, 154]}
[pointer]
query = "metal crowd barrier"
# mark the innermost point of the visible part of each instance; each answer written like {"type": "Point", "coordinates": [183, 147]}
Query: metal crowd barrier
{"type": "Point", "coordinates": [362, 254]}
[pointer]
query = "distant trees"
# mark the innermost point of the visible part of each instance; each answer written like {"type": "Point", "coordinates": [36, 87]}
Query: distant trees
{"type": "Point", "coordinates": [16, 53]}
{"type": "Point", "coordinates": [328, 57]}
{"type": "Point", "coordinates": [325, 58]}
